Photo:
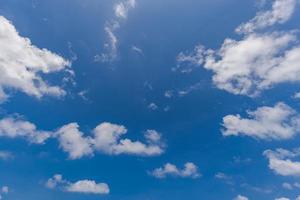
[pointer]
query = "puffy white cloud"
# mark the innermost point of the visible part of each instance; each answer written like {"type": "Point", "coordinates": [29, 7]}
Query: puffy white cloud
{"type": "Point", "coordinates": [268, 123]}
{"type": "Point", "coordinates": [281, 12]}
{"type": "Point", "coordinates": [190, 170]}
{"type": "Point", "coordinates": [81, 186]}
{"type": "Point", "coordinates": [88, 186]}
{"type": "Point", "coordinates": [287, 186]}
{"type": "Point", "coordinates": [282, 198]}
{"type": "Point", "coordinates": [240, 197]}
{"type": "Point", "coordinates": [280, 163]}
{"type": "Point", "coordinates": [152, 106]}
{"type": "Point", "coordinates": [73, 141]}
{"type": "Point", "coordinates": [22, 64]}
{"type": "Point", "coordinates": [257, 61]}
{"type": "Point", "coordinates": [12, 128]}
{"type": "Point", "coordinates": [107, 139]}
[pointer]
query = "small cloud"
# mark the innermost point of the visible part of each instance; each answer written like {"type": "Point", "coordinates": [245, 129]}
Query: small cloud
{"type": "Point", "coordinates": [152, 106]}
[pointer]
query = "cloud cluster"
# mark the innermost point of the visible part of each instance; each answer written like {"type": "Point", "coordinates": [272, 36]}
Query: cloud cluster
{"type": "Point", "coordinates": [121, 10]}
{"type": "Point", "coordinates": [256, 62]}
{"type": "Point", "coordinates": [190, 170]}
{"type": "Point", "coordinates": [106, 138]}
{"type": "Point", "coordinates": [267, 123]}
{"type": "Point", "coordinates": [280, 161]}
{"type": "Point", "coordinates": [22, 64]}
{"type": "Point", "coordinates": [81, 186]}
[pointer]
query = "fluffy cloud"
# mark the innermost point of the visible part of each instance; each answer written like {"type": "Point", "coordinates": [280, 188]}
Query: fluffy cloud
{"type": "Point", "coordinates": [72, 141]}
{"type": "Point", "coordinates": [282, 198]}
{"type": "Point", "coordinates": [22, 64]}
{"type": "Point", "coordinates": [12, 128]}
{"type": "Point", "coordinates": [281, 12]}
{"type": "Point", "coordinates": [190, 170]}
{"type": "Point", "coordinates": [106, 138]}
{"type": "Point", "coordinates": [81, 186]}
{"type": "Point", "coordinates": [268, 123]}
{"type": "Point", "coordinates": [121, 10]}
{"type": "Point", "coordinates": [240, 197]}
{"type": "Point", "coordinates": [256, 62]}
{"type": "Point", "coordinates": [88, 186]}
{"type": "Point", "coordinates": [280, 163]}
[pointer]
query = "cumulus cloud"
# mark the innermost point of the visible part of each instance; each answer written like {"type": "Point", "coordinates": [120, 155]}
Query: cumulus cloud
{"type": "Point", "coordinates": [121, 10]}
{"type": "Point", "coordinates": [256, 62]}
{"type": "Point", "coordinates": [22, 64]}
{"type": "Point", "coordinates": [81, 186]}
{"type": "Point", "coordinates": [240, 197]}
{"type": "Point", "coordinates": [282, 198]}
{"type": "Point", "coordinates": [190, 170]}
{"type": "Point", "coordinates": [106, 138]}
{"type": "Point", "coordinates": [281, 11]}
{"type": "Point", "coordinates": [13, 127]}
{"type": "Point", "coordinates": [73, 141]}
{"type": "Point", "coordinates": [268, 123]}
{"type": "Point", "coordinates": [280, 162]}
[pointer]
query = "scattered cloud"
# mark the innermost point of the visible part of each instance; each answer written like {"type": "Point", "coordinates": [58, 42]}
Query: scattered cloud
{"type": "Point", "coordinates": [280, 162]}
{"type": "Point", "coordinates": [106, 138]}
{"type": "Point", "coordinates": [137, 49]}
{"type": "Point", "coordinates": [23, 65]}
{"type": "Point", "coordinates": [81, 186]}
{"type": "Point", "coordinates": [281, 11]}
{"type": "Point", "coordinates": [282, 198]}
{"type": "Point", "coordinates": [268, 123]}
{"type": "Point", "coordinates": [256, 62]}
{"type": "Point", "coordinates": [4, 190]}
{"type": "Point", "coordinates": [226, 178]}
{"type": "Point", "coordinates": [190, 170]}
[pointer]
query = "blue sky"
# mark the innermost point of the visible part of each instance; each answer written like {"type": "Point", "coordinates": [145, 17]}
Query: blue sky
{"type": "Point", "coordinates": [154, 100]}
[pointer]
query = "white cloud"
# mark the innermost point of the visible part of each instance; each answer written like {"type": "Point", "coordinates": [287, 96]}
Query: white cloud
{"type": "Point", "coordinates": [121, 10]}
{"type": "Point", "coordinates": [107, 139]}
{"type": "Point", "coordinates": [22, 64]}
{"type": "Point", "coordinates": [240, 197]}
{"type": "Point", "coordinates": [257, 61]}
{"type": "Point", "coordinates": [81, 186]}
{"type": "Point", "coordinates": [267, 123]}
{"type": "Point", "coordinates": [73, 141]}
{"type": "Point", "coordinates": [13, 128]}
{"type": "Point", "coordinates": [282, 198]}
{"type": "Point", "coordinates": [190, 170]}
{"type": "Point", "coordinates": [4, 189]}
{"type": "Point", "coordinates": [88, 186]}
{"type": "Point", "coordinates": [281, 12]}
{"type": "Point", "coordinates": [280, 163]}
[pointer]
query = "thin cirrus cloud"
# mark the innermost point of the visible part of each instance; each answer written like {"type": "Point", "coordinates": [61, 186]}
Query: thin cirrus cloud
{"type": "Point", "coordinates": [22, 65]}
{"type": "Point", "coordinates": [256, 62]}
{"type": "Point", "coordinates": [279, 122]}
{"type": "Point", "coordinates": [280, 161]}
{"type": "Point", "coordinates": [121, 10]}
{"type": "Point", "coordinates": [106, 138]}
{"type": "Point", "coordinates": [81, 186]}
{"type": "Point", "coordinates": [190, 170]}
